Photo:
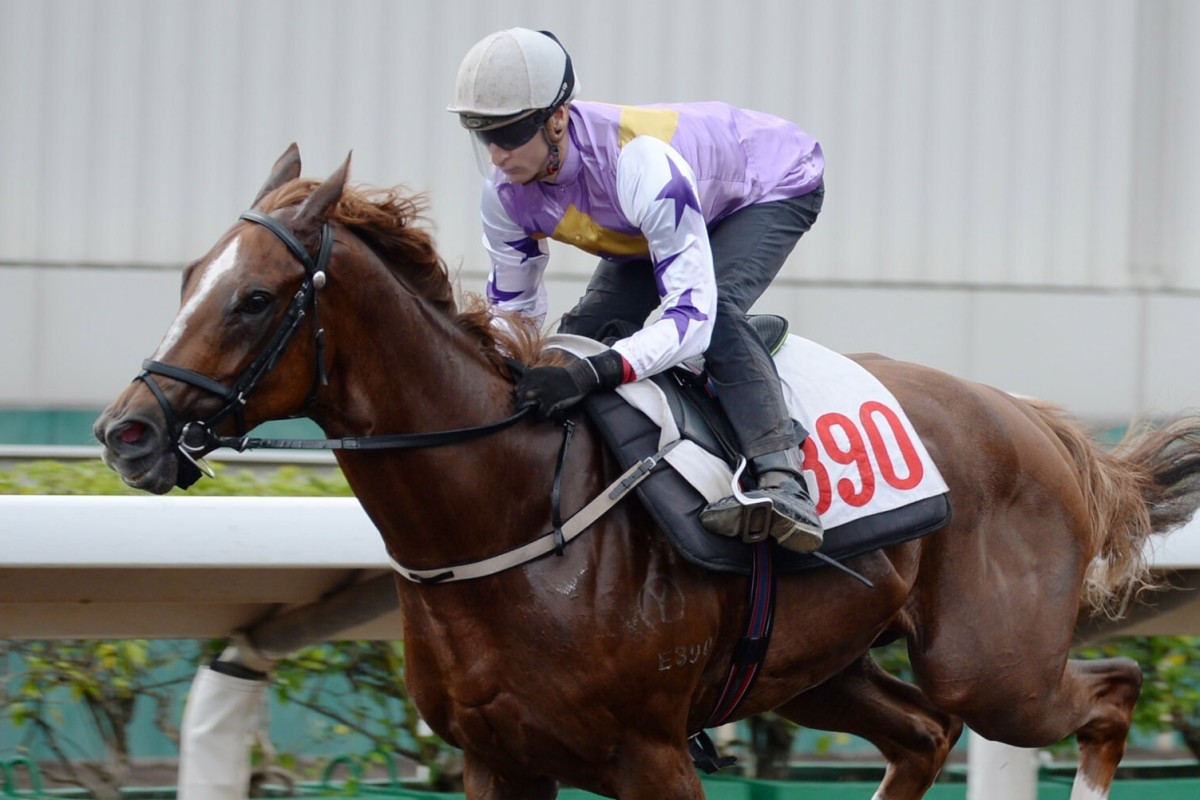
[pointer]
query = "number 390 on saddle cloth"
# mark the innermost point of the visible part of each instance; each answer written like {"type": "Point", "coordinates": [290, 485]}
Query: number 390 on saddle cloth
{"type": "Point", "coordinates": [874, 482]}
{"type": "Point", "coordinates": [862, 456]}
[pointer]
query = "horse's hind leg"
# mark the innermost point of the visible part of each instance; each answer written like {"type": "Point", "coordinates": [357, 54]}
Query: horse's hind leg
{"type": "Point", "coordinates": [1092, 699]}
{"type": "Point", "coordinates": [1116, 684]}
{"type": "Point", "coordinates": [896, 717]}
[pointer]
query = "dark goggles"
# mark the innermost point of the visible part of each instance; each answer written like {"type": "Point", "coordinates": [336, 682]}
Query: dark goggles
{"type": "Point", "coordinates": [514, 134]}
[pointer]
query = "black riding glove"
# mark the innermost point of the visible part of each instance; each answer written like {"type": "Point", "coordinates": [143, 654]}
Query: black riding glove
{"type": "Point", "coordinates": [552, 390]}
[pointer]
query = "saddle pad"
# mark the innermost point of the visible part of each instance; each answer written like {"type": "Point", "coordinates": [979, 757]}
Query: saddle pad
{"type": "Point", "coordinates": [873, 480]}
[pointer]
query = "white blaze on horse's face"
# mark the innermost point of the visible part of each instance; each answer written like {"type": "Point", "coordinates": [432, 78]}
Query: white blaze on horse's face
{"type": "Point", "coordinates": [216, 269]}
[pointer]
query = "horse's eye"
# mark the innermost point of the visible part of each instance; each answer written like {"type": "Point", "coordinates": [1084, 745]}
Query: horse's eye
{"type": "Point", "coordinates": [255, 303]}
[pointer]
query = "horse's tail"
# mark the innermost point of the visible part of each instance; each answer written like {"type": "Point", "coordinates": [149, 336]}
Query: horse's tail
{"type": "Point", "coordinates": [1148, 484]}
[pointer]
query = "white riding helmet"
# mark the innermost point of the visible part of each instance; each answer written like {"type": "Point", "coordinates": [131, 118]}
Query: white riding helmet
{"type": "Point", "coordinates": [511, 75]}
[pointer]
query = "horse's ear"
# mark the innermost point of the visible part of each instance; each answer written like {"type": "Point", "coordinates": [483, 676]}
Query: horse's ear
{"type": "Point", "coordinates": [287, 168]}
{"type": "Point", "coordinates": [315, 209]}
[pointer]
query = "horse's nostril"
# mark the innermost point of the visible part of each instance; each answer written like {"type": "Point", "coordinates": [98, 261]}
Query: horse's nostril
{"type": "Point", "coordinates": [129, 437]}
{"type": "Point", "coordinates": [133, 433]}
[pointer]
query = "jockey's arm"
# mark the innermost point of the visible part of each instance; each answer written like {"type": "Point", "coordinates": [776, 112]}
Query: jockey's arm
{"type": "Point", "coordinates": [657, 192]}
{"type": "Point", "coordinates": [518, 262]}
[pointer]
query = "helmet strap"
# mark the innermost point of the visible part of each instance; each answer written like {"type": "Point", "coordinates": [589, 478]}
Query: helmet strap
{"type": "Point", "coordinates": [553, 161]}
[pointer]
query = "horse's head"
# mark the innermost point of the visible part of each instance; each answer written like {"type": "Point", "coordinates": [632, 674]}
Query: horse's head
{"type": "Point", "coordinates": [245, 346]}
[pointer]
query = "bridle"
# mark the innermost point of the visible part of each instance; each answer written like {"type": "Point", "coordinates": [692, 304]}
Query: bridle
{"type": "Point", "coordinates": [194, 439]}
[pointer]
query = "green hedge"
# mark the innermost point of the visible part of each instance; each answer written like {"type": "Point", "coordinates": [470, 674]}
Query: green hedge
{"type": "Point", "coordinates": [94, 478]}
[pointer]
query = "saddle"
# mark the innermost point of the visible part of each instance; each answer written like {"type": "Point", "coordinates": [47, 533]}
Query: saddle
{"type": "Point", "coordinates": [675, 503]}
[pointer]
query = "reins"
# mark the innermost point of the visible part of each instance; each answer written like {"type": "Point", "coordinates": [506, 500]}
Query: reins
{"type": "Point", "coordinates": [387, 441]}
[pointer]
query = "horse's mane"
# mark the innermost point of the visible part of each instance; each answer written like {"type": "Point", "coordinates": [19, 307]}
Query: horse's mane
{"type": "Point", "coordinates": [391, 222]}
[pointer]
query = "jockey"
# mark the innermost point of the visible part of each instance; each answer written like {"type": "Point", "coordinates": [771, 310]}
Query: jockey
{"type": "Point", "coordinates": [692, 209]}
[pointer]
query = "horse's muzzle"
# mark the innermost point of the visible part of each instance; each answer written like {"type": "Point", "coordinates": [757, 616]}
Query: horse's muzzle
{"type": "Point", "coordinates": [137, 449]}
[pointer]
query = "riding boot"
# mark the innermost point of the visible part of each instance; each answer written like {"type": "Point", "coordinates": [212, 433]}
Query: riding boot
{"type": "Point", "coordinates": [788, 513]}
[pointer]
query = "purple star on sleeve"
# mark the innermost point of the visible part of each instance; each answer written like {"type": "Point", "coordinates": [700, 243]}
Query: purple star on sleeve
{"type": "Point", "coordinates": [680, 191]}
{"type": "Point", "coordinates": [527, 247]}
{"type": "Point", "coordinates": [683, 312]}
{"type": "Point", "coordinates": [660, 268]}
{"type": "Point", "coordinates": [495, 295]}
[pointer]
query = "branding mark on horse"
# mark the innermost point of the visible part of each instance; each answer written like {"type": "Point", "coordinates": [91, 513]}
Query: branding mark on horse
{"type": "Point", "coordinates": [663, 601]}
{"type": "Point", "coordinates": [683, 655]}
{"type": "Point", "coordinates": [571, 587]}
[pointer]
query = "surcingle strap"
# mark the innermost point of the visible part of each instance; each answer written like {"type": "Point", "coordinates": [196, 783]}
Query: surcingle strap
{"type": "Point", "coordinates": [748, 656]}
{"type": "Point", "coordinates": [751, 649]}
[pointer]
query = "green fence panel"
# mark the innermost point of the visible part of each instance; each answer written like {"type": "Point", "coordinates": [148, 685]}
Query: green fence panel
{"type": "Point", "coordinates": [47, 427]}
{"type": "Point", "coordinates": [1054, 787]}
{"type": "Point", "coordinates": [733, 788]}
{"type": "Point", "coordinates": [18, 771]}
{"type": "Point", "coordinates": [1157, 789]}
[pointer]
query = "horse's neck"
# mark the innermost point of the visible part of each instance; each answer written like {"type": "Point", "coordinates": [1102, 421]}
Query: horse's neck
{"type": "Point", "coordinates": [441, 504]}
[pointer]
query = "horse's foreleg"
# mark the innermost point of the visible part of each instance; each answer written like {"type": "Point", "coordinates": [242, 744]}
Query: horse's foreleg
{"type": "Point", "coordinates": [652, 770]}
{"type": "Point", "coordinates": [656, 771]}
{"type": "Point", "coordinates": [481, 782]}
{"type": "Point", "coordinates": [896, 717]}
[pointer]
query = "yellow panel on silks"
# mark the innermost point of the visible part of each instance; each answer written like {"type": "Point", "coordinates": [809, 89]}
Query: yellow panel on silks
{"type": "Point", "coordinates": [657, 122]}
{"type": "Point", "coordinates": [578, 229]}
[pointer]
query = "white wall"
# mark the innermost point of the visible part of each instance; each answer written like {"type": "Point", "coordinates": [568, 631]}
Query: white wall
{"type": "Point", "coordinates": [1013, 185]}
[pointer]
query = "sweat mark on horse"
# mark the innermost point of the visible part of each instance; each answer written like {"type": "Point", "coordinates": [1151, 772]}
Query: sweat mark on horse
{"type": "Point", "coordinates": [541, 686]}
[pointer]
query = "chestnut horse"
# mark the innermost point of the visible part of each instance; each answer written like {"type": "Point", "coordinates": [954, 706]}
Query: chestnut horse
{"type": "Point", "coordinates": [563, 670]}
